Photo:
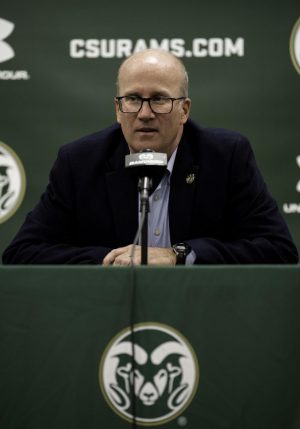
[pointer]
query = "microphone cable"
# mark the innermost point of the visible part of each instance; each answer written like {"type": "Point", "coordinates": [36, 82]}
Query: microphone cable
{"type": "Point", "coordinates": [132, 293]}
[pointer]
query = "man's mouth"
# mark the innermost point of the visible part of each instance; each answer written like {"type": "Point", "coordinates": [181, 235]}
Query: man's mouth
{"type": "Point", "coordinates": [146, 130]}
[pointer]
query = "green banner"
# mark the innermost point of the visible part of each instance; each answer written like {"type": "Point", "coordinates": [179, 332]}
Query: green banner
{"type": "Point", "coordinates": [204, 347]}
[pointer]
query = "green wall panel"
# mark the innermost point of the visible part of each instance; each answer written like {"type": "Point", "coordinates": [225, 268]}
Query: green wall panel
{"type": "Point", "coordinates": [242, 77]}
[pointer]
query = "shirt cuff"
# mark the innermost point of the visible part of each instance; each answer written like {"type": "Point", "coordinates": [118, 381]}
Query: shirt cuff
{"type": "Point", "coordinates": [191, 258]}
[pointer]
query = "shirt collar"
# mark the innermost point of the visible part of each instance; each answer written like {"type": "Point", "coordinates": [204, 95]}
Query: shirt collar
{"type": "Point", "coordinates": [171, 162]}
{"type": "Point", "coordinates": [167, 176]}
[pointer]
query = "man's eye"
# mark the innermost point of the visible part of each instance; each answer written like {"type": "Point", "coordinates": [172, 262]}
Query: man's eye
{"type": "Point", "coordinates": [132, 99]}
{"type": "Point", "coordinates": [159, 99]}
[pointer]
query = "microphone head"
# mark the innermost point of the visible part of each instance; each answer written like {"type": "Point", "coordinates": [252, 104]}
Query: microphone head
{"type": "Point", "coordinates": [147, 163]}
{"type": "Point", "coordinates": [146, 158]}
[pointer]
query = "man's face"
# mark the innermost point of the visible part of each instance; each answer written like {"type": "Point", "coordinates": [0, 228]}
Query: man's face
{"type": "Point", "coordinates": [150, 77]}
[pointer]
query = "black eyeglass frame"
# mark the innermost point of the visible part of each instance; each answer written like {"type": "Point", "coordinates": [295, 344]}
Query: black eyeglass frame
{"type": "Point", "coordinates": [148, 99]}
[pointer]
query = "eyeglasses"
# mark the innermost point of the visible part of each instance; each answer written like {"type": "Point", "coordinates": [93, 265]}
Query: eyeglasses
{"type": "Point", "coordinates": [134, 103]}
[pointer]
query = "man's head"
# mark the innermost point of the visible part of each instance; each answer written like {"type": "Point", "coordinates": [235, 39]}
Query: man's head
{"type": "Point", "coordinates": [152, 74]}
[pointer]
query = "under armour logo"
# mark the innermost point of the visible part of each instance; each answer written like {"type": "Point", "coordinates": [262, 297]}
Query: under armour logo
{"type": "Point", "coordinates": [298, 162]}
{"type": "Point", "coordinates": [6, 51]}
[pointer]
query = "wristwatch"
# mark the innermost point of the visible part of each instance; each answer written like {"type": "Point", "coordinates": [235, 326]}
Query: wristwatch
{"type": "Point", "coordinates": [181, 251]}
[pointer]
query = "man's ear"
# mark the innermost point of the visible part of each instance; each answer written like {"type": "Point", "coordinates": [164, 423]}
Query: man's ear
{"type": "Point", "coordinates": [185, 110]}
{"type": "Point", "coordinates": [118, 112]}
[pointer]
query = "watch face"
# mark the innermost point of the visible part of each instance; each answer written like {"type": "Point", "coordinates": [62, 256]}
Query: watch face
{"type": "Point", "coordinates": [182, 248]}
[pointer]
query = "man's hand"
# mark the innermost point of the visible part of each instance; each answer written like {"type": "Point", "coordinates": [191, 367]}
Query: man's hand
{"type": "Point", "coordinates": [156, 256]}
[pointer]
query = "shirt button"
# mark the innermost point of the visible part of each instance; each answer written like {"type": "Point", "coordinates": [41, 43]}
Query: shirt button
{"type": "Point", "coordinates": [157, 232]}
{"type": "Point", "coordinates": [156, 197]}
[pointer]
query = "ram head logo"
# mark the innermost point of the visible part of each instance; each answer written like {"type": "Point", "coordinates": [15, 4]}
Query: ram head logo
{"type": "Point", "coordinates": [4, 180]}
{"type": "Point", "coordinates": [12, 182]}
{"type": "Point", "coordinates": [6, 194]}
{"type": "Point", "coordinates": [151, 382]}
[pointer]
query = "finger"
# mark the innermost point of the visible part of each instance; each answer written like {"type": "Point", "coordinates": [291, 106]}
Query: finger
{"type": "Point", "coordinates": [122, 261]}
{"type": "Point", "coordinates": [161, 256]}
{"type": "Point", "coordinates": [126, 258]}
{"type": "Point", "coordinates": [109, 258]}
{"type": "Point", "coordinates": [134, 253]}
{"type": "Point", "coordinates": [113, 254]}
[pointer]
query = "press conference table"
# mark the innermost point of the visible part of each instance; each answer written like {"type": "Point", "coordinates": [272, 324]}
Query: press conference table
{"type": "Point", "coordinates": [61, 328]}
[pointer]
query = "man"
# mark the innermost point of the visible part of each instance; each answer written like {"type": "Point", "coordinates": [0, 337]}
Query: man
{"type": "Point", "coordinates": [211, 205]}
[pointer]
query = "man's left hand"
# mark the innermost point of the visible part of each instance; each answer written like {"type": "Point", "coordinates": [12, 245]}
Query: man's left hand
{"type": "Point", "coordinates": [156, 256]}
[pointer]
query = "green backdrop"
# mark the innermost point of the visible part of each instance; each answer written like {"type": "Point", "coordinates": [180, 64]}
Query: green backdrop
{"type": "Point", "coordinates": [242, 77]}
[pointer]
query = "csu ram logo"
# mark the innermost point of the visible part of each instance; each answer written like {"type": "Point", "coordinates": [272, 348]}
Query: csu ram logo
{"type": "Point", "coordinates": [12, 182]}
{"type": "Point", "coordinates": [149, 374]}
{"type": "Point", "coordinates": [295, 45]}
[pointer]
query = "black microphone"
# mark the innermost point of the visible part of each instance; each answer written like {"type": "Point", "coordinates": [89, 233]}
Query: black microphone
{"type": "Point", "coordinates": [147, 163]}
{"type": "Point", "coordinates": [148, 167]}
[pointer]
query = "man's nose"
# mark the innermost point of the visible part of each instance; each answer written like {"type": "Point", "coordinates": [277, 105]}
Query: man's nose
{"type": "Point", "coordinates": [145, 111]}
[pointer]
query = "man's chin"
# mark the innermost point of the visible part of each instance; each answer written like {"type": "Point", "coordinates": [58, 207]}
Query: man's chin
{"type": "Point", "coordinates": [146, 144]}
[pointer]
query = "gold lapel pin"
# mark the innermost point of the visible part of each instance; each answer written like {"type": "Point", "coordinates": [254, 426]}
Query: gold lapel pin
{"type": "Point", "coordinates": [190, 178]}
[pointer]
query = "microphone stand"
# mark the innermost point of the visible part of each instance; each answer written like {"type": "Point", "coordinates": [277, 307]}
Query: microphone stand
{"type": "Point", "coordinates": [144, 186]}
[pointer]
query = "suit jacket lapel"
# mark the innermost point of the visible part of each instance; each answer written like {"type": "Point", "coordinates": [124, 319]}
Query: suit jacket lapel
{"type": "Point", "coordinates": [123, 196]}
{"type": "Point", "coordinates": [183, 184]}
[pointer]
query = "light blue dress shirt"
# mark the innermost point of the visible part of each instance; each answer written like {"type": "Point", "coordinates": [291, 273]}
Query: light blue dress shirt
{"type": "Point", "coordinates": [158, 217]}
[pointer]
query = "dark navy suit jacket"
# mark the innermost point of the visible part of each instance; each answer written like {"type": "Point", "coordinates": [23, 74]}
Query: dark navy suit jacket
{"type": "Point", "coordinates": [91, 204]}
